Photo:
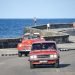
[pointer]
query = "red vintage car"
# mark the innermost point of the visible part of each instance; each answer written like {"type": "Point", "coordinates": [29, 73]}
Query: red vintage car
{"type": "Point", "coordinates": [25, 46]}
{"type": "Point", "coordinates": [44, 52]}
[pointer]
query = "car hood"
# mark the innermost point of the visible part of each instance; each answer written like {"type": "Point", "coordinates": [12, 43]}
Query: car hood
{"type": "Point", "coordinates": [27, 42]}
{"type": "Point", "coordinates": [42, 52]}
{"type": "Point", "coordinates": [31, 41]}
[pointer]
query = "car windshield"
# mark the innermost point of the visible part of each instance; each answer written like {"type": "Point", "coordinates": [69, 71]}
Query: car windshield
{"type": "Point", "coordinates": [27, 37]}
{"type": "Point", "coordinates": [35, 36]}
{"type": "Point", "coordinates": [30, 36]}
{"type": "Point", "coordinates": [42, 46]}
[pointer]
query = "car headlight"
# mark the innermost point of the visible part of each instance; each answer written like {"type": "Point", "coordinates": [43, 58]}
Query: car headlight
{"type": "Point", "coordinates": [20, 45]}
{"type": "Point", "coordinates": [53, 56]}
{"type": "Point", "coordinates": [33, 57]}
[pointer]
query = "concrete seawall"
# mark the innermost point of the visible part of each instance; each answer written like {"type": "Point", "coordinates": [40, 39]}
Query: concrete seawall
{"type": "Point", "coordinates": [59, 37]}
{"type": "Point", "coordinates": [55, 26]}
{"type": "Point", "coordinates": [9, 42]}
{"type": "Point", "coordinates": [42, 29]}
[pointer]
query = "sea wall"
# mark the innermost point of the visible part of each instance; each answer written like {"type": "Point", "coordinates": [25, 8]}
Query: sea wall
{"type": "Point", "coordinates": [54, 26]}
{"type": "Point", "coordinates": [51, 35]}
{"type": "Point", "coordinates": [48, 35]}
{"type": "Point", "coordinates": [9, 42]}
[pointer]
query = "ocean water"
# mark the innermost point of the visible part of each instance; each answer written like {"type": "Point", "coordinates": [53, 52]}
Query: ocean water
{"type": "Point", "coordinates": [13, 28]}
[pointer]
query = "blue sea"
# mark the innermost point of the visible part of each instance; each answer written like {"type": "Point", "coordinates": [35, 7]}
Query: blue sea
{"type": "Point", "coordinates": [14, 28]}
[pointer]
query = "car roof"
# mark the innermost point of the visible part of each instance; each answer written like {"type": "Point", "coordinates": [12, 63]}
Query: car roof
{"type": "Point", "coordinates": [44, 42]}
{"type": "Point", "coordinates": [27, 34]}
{"type": "Point", "coordinates": [37, 33]}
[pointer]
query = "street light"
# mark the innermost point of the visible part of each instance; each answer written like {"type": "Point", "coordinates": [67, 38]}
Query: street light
{"type": "Point", "coordinates": [35, 21]}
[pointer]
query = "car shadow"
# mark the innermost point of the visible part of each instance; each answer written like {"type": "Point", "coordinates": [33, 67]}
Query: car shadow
{"type": "Point", "coordinates": [52, 66]}
{"type": "Point", "coordinates": [64, 65]}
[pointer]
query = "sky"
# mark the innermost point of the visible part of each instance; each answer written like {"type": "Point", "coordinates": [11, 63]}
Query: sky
{"type": "Point", "coordinates": [37, 8]}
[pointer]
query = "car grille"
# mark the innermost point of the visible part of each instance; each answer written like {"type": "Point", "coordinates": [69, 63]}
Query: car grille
{"type": "Point", "coordinates": [43, 56]}
{"type": "Point", "coordinates": [27, 47]}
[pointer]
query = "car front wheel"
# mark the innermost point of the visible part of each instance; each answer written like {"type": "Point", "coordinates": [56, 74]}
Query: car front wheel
{"type": "Point", "coordinates": [26, 54]}
{"type": "Point", "coordinates": [19, 54]}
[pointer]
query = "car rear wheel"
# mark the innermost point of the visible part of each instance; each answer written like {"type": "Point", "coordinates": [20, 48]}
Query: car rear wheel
{"type": "Point", "coordinates": [19, 54]}
{"type": "Point", "coordinates": [26, 54]}
{"type": "Point", "coordinates": [56, 65]}
{"type": "Point", "coordinates": [32, 65]}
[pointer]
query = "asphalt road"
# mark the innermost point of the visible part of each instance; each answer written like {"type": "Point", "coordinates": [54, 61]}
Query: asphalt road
{"type": "Point", "coordinates": [14, 65]}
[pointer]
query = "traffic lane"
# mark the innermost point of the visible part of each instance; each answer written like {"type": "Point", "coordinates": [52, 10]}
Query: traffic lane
{"type": "Point", "coordinates": [4, 58]}
{"type": "Point", "coordinates": [14, 66]}
{"type": "Point", "coordinates": [68, 59]}
{"type": "Point", "coordinates": [20, 66]}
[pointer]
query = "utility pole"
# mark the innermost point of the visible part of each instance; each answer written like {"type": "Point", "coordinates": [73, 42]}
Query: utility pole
{"type": "Point", "coordinates": [34, 21]}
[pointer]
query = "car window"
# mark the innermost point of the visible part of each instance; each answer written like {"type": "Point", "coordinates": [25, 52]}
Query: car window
{"type": "Point", "coordinates": [41, 46]}
{"type": "Point", "coordinates": [37, 46]}
{"type": "Point", "coordinates": [36, 36]}
{"type": "Point", "coordinates": [27, 37]}
{"type": "Point", "coordinates": [49, 45]}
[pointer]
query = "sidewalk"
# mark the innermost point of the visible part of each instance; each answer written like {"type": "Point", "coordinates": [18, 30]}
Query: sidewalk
{"type": "Point", "coordinates": [66, 46]}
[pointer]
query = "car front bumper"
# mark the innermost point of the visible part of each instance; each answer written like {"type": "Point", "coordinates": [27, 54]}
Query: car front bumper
{"type": "Point", "coordinates": [44, 61]}
{"type": "Point", "coordinates": [24, 51]}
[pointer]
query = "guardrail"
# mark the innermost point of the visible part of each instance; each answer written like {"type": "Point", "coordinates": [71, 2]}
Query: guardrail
{"type": "Point", "coordinates": [8, 52]}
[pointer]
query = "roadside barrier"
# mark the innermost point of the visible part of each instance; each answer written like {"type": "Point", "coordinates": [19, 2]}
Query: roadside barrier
{"type": "Point", "coordinates": [9, 42]}
{"type": "Point", "coordinates": [8, 52]}
{"type": "Point", "coordinates": [65, 49]}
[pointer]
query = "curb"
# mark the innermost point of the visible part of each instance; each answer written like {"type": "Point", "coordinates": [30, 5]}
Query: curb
{"type": "Point", "coordinates": [9, 54]}
{"type": "Point", "coordinates": [65, 49]}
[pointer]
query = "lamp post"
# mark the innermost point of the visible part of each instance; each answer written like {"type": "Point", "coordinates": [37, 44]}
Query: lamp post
{"type": "Point", "coordinates": [34, 21]}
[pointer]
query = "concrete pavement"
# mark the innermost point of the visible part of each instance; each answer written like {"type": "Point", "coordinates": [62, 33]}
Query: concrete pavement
{"type": "Point", "coordinates": [20, 66]}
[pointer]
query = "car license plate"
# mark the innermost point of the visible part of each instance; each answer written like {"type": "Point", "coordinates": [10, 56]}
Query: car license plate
{"type": "Point", "coordinates": [43, 61]}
